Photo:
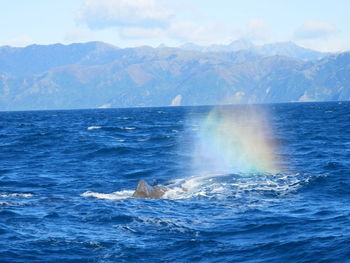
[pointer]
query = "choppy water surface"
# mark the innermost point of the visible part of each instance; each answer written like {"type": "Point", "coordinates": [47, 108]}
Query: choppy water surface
{"type": "Point", "coordinates": [66, 180]}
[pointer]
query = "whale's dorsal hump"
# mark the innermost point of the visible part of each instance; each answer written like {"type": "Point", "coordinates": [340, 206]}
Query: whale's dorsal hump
{"type": "Point", "coordinates": [144, 190]}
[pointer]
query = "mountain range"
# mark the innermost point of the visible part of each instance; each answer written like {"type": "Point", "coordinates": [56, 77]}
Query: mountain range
{"type": "Point", "coordinates": [288, 49]}
{"type": "Point", "coordinates": [99, 75]}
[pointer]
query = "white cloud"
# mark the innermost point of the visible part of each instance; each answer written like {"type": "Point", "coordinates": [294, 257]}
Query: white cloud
{"type": "Point", "coordinates": [21, 41]}
{"type": "Point", "coordinates": [257, 29]}
{"type": "Point", "coordinates": [123, 13]}
{"type": "Point", "coordinates": [326, 45]}
{"type": "Point", "coordinates": [313, 29]}
{"type": "Point", "coordinates": [78, 35]}
{"type": "Point", "coordinates": [182, 31]}
{"type": "Point", "coordinates": [146, 19]}
{"type": "Point", "coordinates": [141, 33]}
{"type": "Point", "coordinates": [216, 33]}
{"type": "Point", "coordinates": [202, 34]}
{"type": "Point", "coordinates": [162, 20]}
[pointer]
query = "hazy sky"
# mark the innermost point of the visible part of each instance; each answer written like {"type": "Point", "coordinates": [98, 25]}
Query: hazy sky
{"type": "Point", "coordinates": [318, 24]}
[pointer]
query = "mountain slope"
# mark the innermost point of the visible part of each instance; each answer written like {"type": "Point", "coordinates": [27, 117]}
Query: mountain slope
{"type": "Point", "coordinates": [38, 58]}
{"type": "Point", "coordinates": [103, 76]}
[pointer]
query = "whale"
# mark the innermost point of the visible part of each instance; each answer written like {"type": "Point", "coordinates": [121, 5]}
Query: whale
{"type": "Point", "coordinates": [144, 190]}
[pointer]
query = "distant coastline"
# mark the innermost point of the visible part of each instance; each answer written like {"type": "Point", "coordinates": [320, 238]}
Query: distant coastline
{"type": "Point", "coordinates": [183, 106]}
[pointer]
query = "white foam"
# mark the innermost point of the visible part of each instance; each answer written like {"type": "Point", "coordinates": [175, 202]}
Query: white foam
{"type": "Point", "coordinates": [143, 140]}
{"type": "Point", "coordinates": [175, 193]}
{"type": "Point", "coordinates": [25, 195]}
{"type": "Point", "coordinates": [221, 186]}
{"type": "Point", "coordinates": [93, 128]}
{"type": "Point", "coordinates": [191, 188]}
{"type": "Point", "coordinates": [224, 186]}
{"type": "Point", "coordinates": [128, 128]}
{"type": "Point", "coordinates": [112, 196]}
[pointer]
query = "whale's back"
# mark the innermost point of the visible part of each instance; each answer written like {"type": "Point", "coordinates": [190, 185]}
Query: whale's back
{"type": "Point", "coordinates": [144, 190]}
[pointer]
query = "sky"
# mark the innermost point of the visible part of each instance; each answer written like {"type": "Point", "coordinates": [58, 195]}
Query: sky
{"type": "Point", "coordinates": [322, 25]}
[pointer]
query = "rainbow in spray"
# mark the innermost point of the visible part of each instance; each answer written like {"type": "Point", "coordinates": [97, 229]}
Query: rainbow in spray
{"type": "Point", "coordinates": [235, 141]}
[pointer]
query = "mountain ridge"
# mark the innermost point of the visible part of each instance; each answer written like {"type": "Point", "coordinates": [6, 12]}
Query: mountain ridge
{"type": "Point", "coordinates": [289, 49]}
{"type": "Point", "coordinates": [101, 75]}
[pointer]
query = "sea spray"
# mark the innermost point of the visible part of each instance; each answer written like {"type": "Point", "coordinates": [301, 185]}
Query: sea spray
{"type": "Point", "coordinates": [235, 140]}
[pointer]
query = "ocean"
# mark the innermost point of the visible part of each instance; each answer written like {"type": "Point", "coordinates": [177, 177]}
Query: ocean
{"type": "Point", "coordinates": [263, 183]}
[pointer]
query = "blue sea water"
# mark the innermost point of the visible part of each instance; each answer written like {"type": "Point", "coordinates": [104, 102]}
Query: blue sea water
{"type": "Point", "coordinates": [66, 180]}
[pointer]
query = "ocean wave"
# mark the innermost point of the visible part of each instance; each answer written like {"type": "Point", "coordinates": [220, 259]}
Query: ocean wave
{"type": "Point", "coordinates": [143, 139]}
{"type": "Point", "coordinates": [93, 128]}
{"type": "Point", "coordinates": [128, 128]}
{"type": "Point", "coordinates": [107, 151]}
{"type": "Point", "coordinates": [25, 195]}
{"type": "Point", "coordinates": [112, 196]}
